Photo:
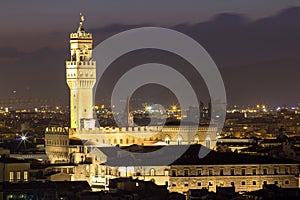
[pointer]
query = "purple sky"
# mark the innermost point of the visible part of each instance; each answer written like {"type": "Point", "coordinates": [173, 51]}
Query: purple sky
{"type": "Point", "coordinates": [22, 21]}
{"type": "Point", "coordinates": [261, 65]}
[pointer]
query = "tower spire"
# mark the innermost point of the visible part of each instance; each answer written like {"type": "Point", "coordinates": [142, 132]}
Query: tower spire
{"type": "Point", "coordinates": [80, 28]}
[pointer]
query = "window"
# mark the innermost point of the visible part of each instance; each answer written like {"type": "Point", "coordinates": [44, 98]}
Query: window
{"type": "Point", "coordinates": [276, 182]}
{"type": "Point", "coordinates": [174, 172]}
{"type": "Point", "coordinates": [11, 176]}
{"type": "Point", "coordinates": [199, 172]}
{"type": "Point", "coordinates": [138, 172]}
{"type": "Point", "coordinates": [25, 175]}
{"type": "Point", "coordinates": [210, 172]}
{"type": "Point", "coordinates": [232, 183]}
{"type": "Point", "coordinates": [265, 171]}
{"type": "Point", "coordinates": [232, 172]}
{"type": "Point", "coordinates": [265, 182]}
{"type": "Point", "coordinates": [243, 172]}
{"type": "Point", "coordinates": [254, 182]}
{"type": "Point", "coordinates": [254, 171]}
{"type": "Point", "coordinates": [198, 184]}
{"type": "Point", "coordinates": [179, 141]}
{"type": "Point", "coordinates": [287, 182]}
{"type": "Point", "coordinates": [287, 170]}
{"type": "Point", "coordinates": [167, 140]}
{"type": "Point", "coordinates": [186, 184]}
{"type": "Point", "coordinates": [186, 172]}
{"type": "Point", "coordinates": [210, 183]}
{"type": "Point", "coordinates": [276, 170]}
{"type": "Point", "coordinates": [221, 172]}
{"type": "Point", "coordinates": [18, 176]}
{"type": "Point", "coordinates": [207, 143]}
{"type": "Point", "coordinates": [174, 184]}
{"type": "Point", "coordinates": [166, 172]}
{"type": "Point", "coordinates": [243, 183]}
{"type": "Point", "coordinates": [152, 172]}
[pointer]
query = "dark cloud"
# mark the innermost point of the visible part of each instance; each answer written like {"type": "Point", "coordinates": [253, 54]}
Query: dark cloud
{"type": "Point", "coordinates": [259, 60]}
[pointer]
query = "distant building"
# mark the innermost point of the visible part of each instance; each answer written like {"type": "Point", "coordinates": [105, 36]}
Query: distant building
{"type": "Point", "coordinates": [14, 170]}
{"type": "Point", "coordinates": [39, 190]}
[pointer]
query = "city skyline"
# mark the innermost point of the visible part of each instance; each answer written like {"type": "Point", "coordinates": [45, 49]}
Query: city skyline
{"type": "Point", "coordinates": [150, 100]}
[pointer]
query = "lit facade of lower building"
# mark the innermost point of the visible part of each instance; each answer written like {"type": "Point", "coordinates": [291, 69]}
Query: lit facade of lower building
{"type": "Point", "coordinates": [244, 178]}
{"type": "Point", "coordinates": [244, 172]}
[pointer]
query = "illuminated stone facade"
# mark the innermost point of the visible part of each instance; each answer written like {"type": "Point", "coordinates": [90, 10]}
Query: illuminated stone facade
{"type": "Point", "coordinates": [81, 77]}
{"type": "Point", "coordinates": [57, 144]}
{"type": "Point", "coordinates": [244, 178]}
{"type": "Point", "coordinates": [244, 172]}
{"type": "Point", "coordinates": [150, 135]}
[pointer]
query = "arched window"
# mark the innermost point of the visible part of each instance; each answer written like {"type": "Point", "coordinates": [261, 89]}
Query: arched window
{"type": "Point", "coordinates": [167, 140]}
{"type": "Point", "coordinates": [179, 140]}
{"type": "Point", "coordinates": [196, 140]}
{"type": "Point", "coordinates": [152, 172]}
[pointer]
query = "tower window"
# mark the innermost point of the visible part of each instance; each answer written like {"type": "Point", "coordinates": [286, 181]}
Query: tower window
{"type": "Point", "coordinates": [152, 172]}
{"type": "Point", "coordinates": [232, 172]}
{"type": "Point", "coordinates": [199, 172]}
{"type": "Point", "coordinates": [287, 170]}
{"type": "Point", "coordinates": [221, 172]}
{"type": "Point", "coordinates": [276, 170]}
{"type": "Point", "coordinates": [186, 172]}
{"type": "Point", "coordinates": [243, 172]}
{"type": "Point", "coordinates": [174, 172]}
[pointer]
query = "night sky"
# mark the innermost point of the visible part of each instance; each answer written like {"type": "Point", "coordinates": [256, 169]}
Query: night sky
{"type": "Point", "coordinates": [255, 44]}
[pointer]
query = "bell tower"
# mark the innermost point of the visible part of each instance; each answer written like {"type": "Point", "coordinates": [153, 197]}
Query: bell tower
{"type": "Point", "coordinates": [81, 76]}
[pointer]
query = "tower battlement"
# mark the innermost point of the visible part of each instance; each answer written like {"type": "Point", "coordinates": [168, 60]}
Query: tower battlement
{"type": "Point", "coordinates": [74, 64]}
{"type": "Point", "coordinates": [81, 35]}
{"type": "Point", "coordinates": [57, 130]}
